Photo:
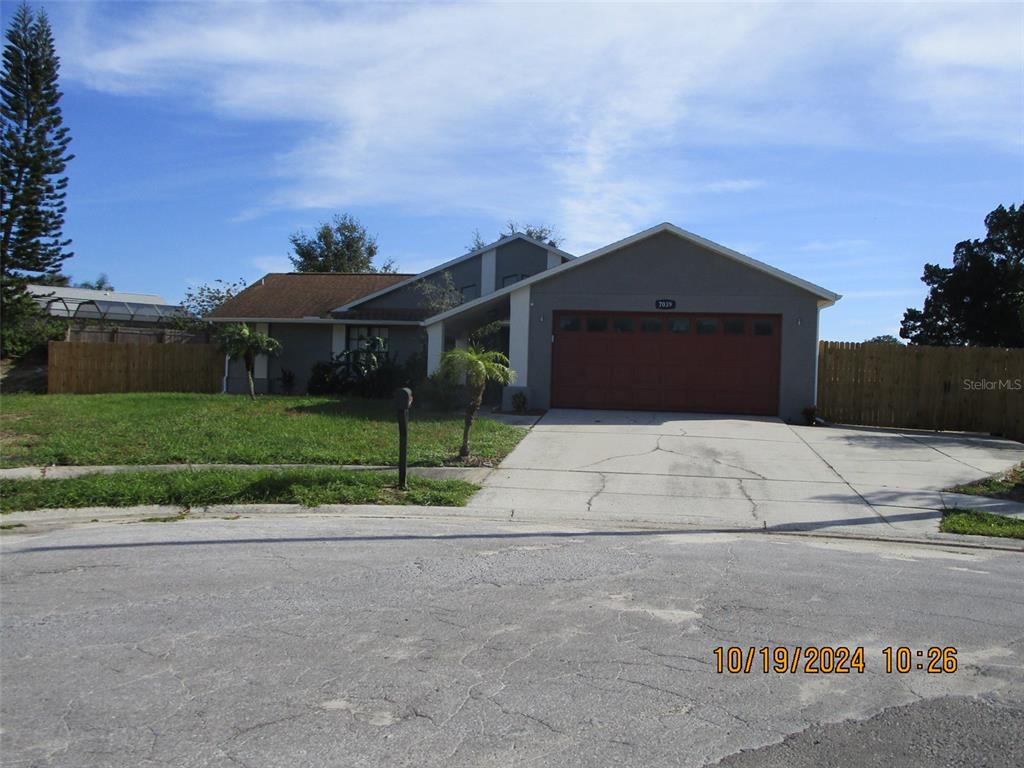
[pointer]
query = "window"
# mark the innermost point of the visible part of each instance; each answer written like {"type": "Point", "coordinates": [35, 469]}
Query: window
{"type": "Point", "coordinates": [568, 323]}
{"type": "Point", "coordinates": [359, 335]}
{"type": "Point", "coordinates": [707, 325]}
{"type": "Point", "coordinates": [734, 326]}
{"type": "Point", "coordinates": [623, 324]}
{"type": "Point", "coordinates": [469, 292]}
{"type": "Point", "coordinates": [679, 325]}
{"type": "Point", "coordinates": [650, 325]}
{"type": "Point", "coordinates": [597, 324]}
{"type": "Point", "coordinates": [508, 280]}
{"type": "Point", "coordinates": [763, 328]}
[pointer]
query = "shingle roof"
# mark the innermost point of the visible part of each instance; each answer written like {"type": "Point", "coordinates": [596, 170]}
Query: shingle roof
{"type": "Point", "coordinates": [303, 294]}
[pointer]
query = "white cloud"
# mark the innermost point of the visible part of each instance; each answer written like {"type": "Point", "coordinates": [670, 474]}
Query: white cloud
{"type": "Point", "coordinates": [583, 115]}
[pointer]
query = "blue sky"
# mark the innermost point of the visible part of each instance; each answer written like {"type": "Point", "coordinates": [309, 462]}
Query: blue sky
{"type": "Point", "coordinates": [846, 143]}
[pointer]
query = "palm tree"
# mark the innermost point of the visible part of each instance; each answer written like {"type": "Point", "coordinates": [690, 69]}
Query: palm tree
{"type": "Point", "coordinates": [477, 366]}
{"type": "Point", "coordinates": [240, 341]}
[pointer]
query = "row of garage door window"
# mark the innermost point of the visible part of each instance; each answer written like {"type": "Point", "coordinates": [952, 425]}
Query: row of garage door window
{"type": "Point", "coordinates": [732, 326]}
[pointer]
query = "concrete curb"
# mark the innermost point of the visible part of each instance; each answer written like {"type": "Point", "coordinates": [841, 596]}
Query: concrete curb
{"type": "Point", "coordinates": [52, 519]}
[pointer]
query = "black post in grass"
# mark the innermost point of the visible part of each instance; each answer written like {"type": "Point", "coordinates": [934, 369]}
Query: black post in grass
{"type": "Point", "coordinates": [403, 400]}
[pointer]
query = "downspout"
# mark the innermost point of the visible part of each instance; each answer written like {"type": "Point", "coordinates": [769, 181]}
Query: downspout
{"type": "Point", "coordinates": [224, 383]}
{"type": "Point", "coordinates": [817, 352]}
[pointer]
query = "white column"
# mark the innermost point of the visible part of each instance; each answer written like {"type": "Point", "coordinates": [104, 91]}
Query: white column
{"type": "Point", "coordinates": [259, 368]}
{"type": "Point", "coordinates": [338, 339]}
{"type": "Point", "coordinates": [519, 334]}
{"type": "Point", "coordinates": [553, 259]}
{"type": "Point", "coordinates": [435, 346]}
{"type": "Point", "coordinates": [488, 271]}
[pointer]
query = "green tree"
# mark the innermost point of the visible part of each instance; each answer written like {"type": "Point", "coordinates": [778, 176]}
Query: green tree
{"type": "Point", "coordinates": [477, 242]}
{"type": "Point", "coordinates": [340, 246]}
{"type": "Point", "coordinates": [979, 301]}
{"type": "Point", "coordinates": [438, 292]}
{"type": "Point", "coordinates": [201, 300]}
{"type": "Point", "coordinates": [886, 338]}
{"type": "Point", "coordinates": [541, 232]}
{"type": "Point", "coordinates": [241, 342]}
{"type": "Point", "coordinates": [101, 283]}
{"type": "Point", "coordinates": [34, 157]}
{"type": "Point", "coordinates": [477, 366]}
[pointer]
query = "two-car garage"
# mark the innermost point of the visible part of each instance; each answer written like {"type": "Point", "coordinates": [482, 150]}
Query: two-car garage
{"type": "Point", "coordinates": [663, 320]}
{"type": "Point", "coordinates": [708, 362]}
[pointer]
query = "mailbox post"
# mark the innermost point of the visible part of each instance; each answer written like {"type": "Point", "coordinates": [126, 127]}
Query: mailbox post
{"type": "Point", "coordinates": [403, 400]}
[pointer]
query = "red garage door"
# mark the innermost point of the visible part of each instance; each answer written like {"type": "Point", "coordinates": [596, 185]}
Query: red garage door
{"type": "Point", "coordinates": [718, 363]}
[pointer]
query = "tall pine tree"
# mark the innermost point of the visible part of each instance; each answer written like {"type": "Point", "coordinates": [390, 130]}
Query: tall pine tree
{"type": "Point", "coordinates": [34, 156]}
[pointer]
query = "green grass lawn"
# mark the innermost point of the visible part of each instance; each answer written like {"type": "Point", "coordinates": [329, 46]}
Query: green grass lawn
{"type": "Point", "coordinates": [977, 523]}
{"type": "Point", "coordinates": [204, 487]}
{"type": "Point", "coordinates": [1007, 485]}
{"type": "Point", "coordinates": [169, 428]}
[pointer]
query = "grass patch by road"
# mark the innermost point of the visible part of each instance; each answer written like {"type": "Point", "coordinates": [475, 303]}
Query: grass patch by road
{"type": "Point", "coordinates": [204, 487]}
{"type": "Point", "coordinates": [171, 428]}
{"type": "Point", "coordinates": [974, 522]}
{"type": "Point", "coordinates": [1008, 485]}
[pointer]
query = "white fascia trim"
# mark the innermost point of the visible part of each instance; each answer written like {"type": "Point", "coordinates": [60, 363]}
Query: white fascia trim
{"type": "Point", "coordinates": [451, 263]}
{"type": "Point", "coordinates": [312, 321]}
{"type": "Point", "coordinates": [826, 297]}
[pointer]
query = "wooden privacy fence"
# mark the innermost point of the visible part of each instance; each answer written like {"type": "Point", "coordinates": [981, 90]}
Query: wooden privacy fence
{"type": "Point", "coordinates": [121, 335]}
{"type": "Point", "coordinates": [973, 389]}
{"type": "Point", "coordinates": [85, 368]}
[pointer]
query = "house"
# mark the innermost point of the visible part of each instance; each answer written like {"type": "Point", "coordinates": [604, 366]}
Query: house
{"type": "Point", "coordinates": [662, 320]}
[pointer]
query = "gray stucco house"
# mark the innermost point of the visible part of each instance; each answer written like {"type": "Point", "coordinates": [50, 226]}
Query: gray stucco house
{"type": "Point", "coordinates": [662, 320]}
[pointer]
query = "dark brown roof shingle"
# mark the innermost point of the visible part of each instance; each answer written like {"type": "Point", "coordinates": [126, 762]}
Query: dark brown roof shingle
{"type": "Point", "coordinates": [303, 294]}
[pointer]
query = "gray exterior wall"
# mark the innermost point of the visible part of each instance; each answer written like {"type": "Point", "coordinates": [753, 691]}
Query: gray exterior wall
{"type": "Point", "coordinates": [515, 257]}
{"type": "Point", "coordinates": [667, 267]}
{"type": "Point", "coordinates": [302, 345]}
{"type": "Point", "coordinates": [238, 384]}
{"type": "Point", "coordinates": [409, 297]}
{"type": "Point", "coordinates": [518, 257]}
{"type": "Point", "coordinates": [405, 341]}
{"type": "Point", "coordinates": [305, 344]}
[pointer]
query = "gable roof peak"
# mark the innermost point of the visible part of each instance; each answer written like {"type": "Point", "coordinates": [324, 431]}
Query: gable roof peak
{"type": "Point", "coordinates": [825, 296]}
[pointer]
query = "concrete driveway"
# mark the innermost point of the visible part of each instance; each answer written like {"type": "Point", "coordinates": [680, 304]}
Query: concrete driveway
{"type": "Point", "coordinates": [724, 472]}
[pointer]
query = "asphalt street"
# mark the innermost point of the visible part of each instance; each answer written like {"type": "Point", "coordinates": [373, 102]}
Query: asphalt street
{"type": "Point", "coordinates": [347, 642]}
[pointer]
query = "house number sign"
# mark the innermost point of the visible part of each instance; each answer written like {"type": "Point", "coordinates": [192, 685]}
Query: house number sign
{"type": "Point", "coordinates": [665, 304]}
